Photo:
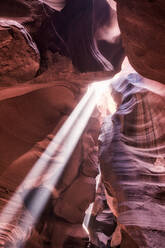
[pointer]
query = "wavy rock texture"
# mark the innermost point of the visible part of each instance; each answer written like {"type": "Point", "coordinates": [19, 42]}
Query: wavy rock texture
{"type": "Point", "coordinates": [102, 223]}
{"type": "Point", "coordinates": [142, 24]}
{"type": "Point", "coordinates": [39, 88]}
{"type": "Point", "coordinates": [28, 124]}
{"type": "Point", "coordinates": [133, 166]}
{"type": "Point", "coordinates": [55, 4]}
{"type": "Point", "coordinates": [81, 24]}
{"type": "Point", "coordinates": [29, 121]}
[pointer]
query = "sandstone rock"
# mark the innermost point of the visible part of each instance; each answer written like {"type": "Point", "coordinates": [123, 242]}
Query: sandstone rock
{"type": "Point", "coordinates": [60, 69]}
{"type": "Point", "coordinates": [19, 56]}
{"type": "Point", "coordinates": [28, 123]}
{"type": "Point", "coordinates": [67, 235]}
{"type": "Point", "coordinates": [102, 221]}
{"type": "Point", "coordinates": [72, 169]}
{"type": "Point", "coordinates": [55, 4]}
{"type": "Point", "coordinates": [17, 10]}
{"type": "Point", "coordinates": [133, 166]}
{"type": "Point", "coordinates": [142, 24]}
{"type": "Point", "coordinates": [29, 13]}
{"type": "Point", "coordinates": [72, 204]}
{"type": "Point", "coordinates": [28, 119]}
{"type": "Point", "coordinates": [36, 109]}
{"type": "Point", "coordinates": [26, 12]}
{"type": "Point", "coordinates": [89, 166]}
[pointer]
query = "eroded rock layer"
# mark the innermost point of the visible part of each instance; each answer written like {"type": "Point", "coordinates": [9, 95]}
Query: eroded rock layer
{"type": "Point", "coordinates": [19, 56]}
{"type": "Point", "coordinates": [133, 165]}
{"type": "Point", "coordinates": [142, 24]}
{"type": "Point", "coordinates": [46, 64]}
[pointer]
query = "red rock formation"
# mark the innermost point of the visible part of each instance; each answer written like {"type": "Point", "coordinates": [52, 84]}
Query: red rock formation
{"type": "Point", "coordinates": [19, 55]}
{"type": "Point", "coordinates": [142, 24]}
{"type": "Point", "coordinates": [28, 13]}
{"type": "Point", "coordinates": [33, 111]}
{"type": "Point", "coordinates": [133, 166]}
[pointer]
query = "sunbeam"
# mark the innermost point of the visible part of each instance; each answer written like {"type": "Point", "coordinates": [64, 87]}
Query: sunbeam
{"type": "Point", "coordinates": [51, 165]}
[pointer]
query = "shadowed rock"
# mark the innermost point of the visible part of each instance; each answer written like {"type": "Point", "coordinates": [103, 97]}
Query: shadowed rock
{"type": "Point", "coordinates": [19, 56]}
{"type": "Point", "coordinates": [133, 167]}
{"type": "Point", "coordinates": [142, 24]}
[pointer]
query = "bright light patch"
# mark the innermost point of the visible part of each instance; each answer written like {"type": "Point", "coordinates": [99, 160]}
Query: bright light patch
{"type": "Point", "coordinates": [88, 212]}
{"type": "Point", "coordinates": [49, 168]}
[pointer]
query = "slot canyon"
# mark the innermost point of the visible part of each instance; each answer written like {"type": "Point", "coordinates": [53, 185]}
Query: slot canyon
{"type": "Point", "coordinates": [82, 166]}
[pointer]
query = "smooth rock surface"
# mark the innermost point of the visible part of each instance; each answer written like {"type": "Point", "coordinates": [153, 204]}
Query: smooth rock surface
{"type": "Point", "coordinates": [142, 25]}
{"type": "Point", "coordinates": [72, 204]}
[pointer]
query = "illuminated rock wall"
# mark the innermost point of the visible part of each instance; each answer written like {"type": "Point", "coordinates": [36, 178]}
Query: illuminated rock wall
{"type": "Point", "coordinates": [39, 87]}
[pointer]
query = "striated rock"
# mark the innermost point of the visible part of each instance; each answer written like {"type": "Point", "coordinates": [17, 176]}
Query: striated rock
{"type": "Point", "coordinates": [102, 221]}
{"type": "Point", "coordinates": [58, 35]}
{"type": "Point", "coordinates": [80, 24]}
{"type": "Point", "coordinates": [55, 4]}
{"type": "Point", "coordinates": [33, 110]}
{"type": "Point", "coordinates": [133, 165]}
{"type": "Point", "coordinates": [142, 24]}
{"type": "Point", "coordinates": [28, 123]}
{"type": "Point", "coordinates": [60, 68]}
{"type": "Point", "coordinates": [19, 56]}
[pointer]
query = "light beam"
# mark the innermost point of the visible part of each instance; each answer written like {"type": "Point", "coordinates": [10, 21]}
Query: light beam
{"type": "Point", "coordinates": [52, 163]}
